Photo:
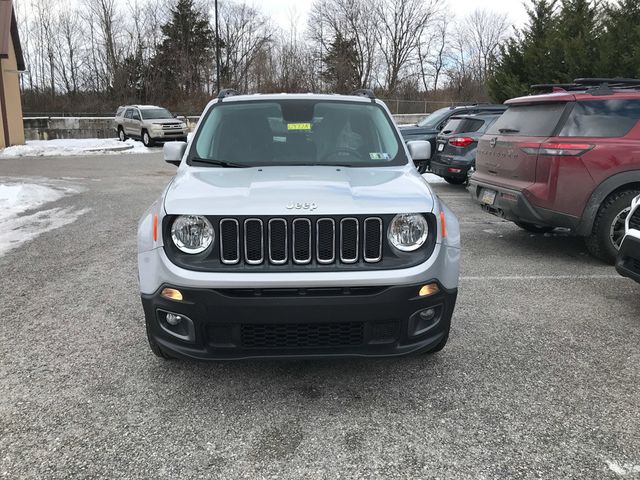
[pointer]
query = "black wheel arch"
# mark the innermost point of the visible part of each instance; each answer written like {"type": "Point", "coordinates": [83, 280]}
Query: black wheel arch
{"type": "Point", "coordinates": [628, 180]}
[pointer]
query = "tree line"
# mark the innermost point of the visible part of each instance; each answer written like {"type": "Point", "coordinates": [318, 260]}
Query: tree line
{"type": "Point", "coordinates": [92, 55]}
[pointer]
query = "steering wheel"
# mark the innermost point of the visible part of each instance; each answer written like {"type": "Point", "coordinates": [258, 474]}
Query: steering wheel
{"type": "Point", "coordinates": [350, 151]}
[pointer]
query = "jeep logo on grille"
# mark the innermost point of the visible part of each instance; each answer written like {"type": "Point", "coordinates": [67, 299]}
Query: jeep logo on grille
{"type": "Point", "coordinates": [302, 206]}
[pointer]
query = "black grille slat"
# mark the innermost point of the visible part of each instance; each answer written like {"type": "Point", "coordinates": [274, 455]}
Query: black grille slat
{"type": "Point", "coordinates": [302, 240]}
{"type": "Point", "coordinates": [372, 240]}
{"type": "Point", "coordinates": [291, 240]}
{"type": "Point", "coordinates": [253, 241]}
{"type": "Point", "coordinates": [277, 241]}
{"type": "Point", "coordinates": [326, 240]}
{"type": "Point", "coordinates": [229, 241]}
{"type": "Point", "coordinates": [634, 221]}
{"type": "Point", "coordinates": [302, 335]}
{"type": "Point", "coordinates": [349, 240]}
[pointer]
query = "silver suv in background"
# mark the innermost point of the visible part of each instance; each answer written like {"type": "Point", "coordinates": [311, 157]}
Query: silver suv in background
{"type": "Point", "coordinates": [149, 123]}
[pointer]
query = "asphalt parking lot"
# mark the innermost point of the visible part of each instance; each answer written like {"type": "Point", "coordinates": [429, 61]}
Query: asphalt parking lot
{"type": "Point", "coordinates": [540, 379]}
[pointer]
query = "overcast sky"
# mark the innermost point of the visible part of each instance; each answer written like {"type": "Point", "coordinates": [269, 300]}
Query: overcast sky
{"type": "Point", "coordinates": [281, 10]}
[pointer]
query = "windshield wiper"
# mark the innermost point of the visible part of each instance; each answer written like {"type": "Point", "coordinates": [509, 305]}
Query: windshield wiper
{"type": "Point", "coordinates": [508, 130]}
{"type": "Point", "coordinates": [222, 163]}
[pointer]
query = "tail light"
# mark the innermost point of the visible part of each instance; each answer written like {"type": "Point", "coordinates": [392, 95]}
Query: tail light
{"type": "Point", "coordinates": [461, 141]}
{"type": "Point", "coordinates": [556, 149]}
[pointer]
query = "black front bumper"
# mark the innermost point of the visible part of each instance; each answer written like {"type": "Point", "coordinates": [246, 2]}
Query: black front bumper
{"type": "Point", "coordinates": [628, 262]}
{"type": "Point", "coordinates": [290, 323]}
{"type": "Point", "coordinates": [513, 205]}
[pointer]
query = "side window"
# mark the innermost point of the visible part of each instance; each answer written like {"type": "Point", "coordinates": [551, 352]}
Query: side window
{"type": "Point", "coordinates": [602, 118]}
{"type": "Point", "coordinates": [128, 113]}
{"type": "Point", "coordinates": [136, 115]}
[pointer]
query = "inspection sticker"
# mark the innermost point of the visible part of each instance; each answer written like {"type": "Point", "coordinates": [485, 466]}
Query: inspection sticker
{"type": "Point", "coordinates": [379, 156]}
{"type": "Point", "coordinates": [298, 126]}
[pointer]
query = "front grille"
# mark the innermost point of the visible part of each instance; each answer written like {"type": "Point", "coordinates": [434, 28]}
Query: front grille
{"type": "Point", "coordinates": [300, 241]}
{"type": "Point", "coordinates": [171, 126]}
{"type": "Point", "coordinates": [302, 335]}
{"type": "Point", "coordinates": [634, 221]}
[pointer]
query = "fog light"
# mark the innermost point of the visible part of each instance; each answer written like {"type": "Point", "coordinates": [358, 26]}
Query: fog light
{"type": "Point", "coordinates": [427, 314]}
{"type": "Point", "coordinates": [430, 289]}
{"type": "Point", "coordinates": [173, 319]}
{"type": "Point", "coordinates": [171, 294]}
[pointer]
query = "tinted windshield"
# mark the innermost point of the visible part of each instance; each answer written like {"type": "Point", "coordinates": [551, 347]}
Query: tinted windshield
{"type": "Point", "coordinates": [433, 120]}
{"type": "Point", "coordinates": [298, 132]}
{"type": "Point", "coordinates": [462, 125]}
{"type": "Point", "coordinates": [155, 113]}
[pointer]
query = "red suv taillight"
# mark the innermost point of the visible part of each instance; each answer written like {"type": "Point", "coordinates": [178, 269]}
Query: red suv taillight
{"type": "Point", "coordinates": [556, 149]}
{"type": "Point", "coordinates": [461, 141]}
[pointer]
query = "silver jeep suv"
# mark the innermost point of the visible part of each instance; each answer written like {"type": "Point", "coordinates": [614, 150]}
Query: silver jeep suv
{"type": "Point", "coordinates": [297, 226]}
{"type": "Point", "coordinates": [149, 123]}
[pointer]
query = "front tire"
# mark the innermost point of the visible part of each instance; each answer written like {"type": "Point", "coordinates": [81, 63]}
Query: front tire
{"type": "Point", "coordinates": [455, 180]}
{"type": "Point", "coordinates": [147, 141]}
{"type": "Point", "coordinates": [121, 135]}
{"type": "Point", "coordinates": [533, 228]}
{"type": "Point", "coordinates": [155, 348]}
{"type": "Point", "coordinates": [608, 227]}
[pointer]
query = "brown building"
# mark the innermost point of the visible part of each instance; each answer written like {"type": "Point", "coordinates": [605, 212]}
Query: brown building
{"type": "Point", "coordinates": [11, 63]}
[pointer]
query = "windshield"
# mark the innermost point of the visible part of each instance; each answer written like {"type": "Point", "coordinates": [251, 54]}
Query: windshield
{"type": "Point", "coordinates": [297, 132]}
{"type": "Point", "coordinates": [433, 119]}
{"type": "Point", "coordinates": [155, 113]}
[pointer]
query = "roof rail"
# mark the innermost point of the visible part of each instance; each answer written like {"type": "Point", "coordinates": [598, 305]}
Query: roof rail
{"type": "Point", "coordinates": [593, 86]}
{"type": "Point", "coordinates": [364, 92]}
{"type": "Point", "coordinates": [227, 92]}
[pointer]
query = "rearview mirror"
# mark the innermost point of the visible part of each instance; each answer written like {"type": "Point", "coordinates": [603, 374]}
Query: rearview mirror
{"type": "Point", "coordinates": [174, 151]}
{"type": "Point", "coordinates": [419, 150]}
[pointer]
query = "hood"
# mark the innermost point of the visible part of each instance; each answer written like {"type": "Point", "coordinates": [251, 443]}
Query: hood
{"type": "Point", "coordinates": [162, 121]}
{"type": "Point", "coordinates": [308, 190]}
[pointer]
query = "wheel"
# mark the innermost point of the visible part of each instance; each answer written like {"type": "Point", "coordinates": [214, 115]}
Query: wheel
{"type": "Point", "coordinates": [121, 135]}
{"type": "Point", "coordinates": [147, 141]}
{"type": "Point", "coordinates": [440, 345]}
{"type": "Point", "coordinates": [533, 228]}
{"type": "Point", "coordinates": [155, 348]}
{"type": "Point", "coordinates": [422, 167]}
{"type": "Point", "coordinates": [609, 226]}
{"type": "Point", "coordinates": [455, 180]}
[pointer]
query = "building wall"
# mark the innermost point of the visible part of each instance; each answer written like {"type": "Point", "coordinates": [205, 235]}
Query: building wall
{"type": "Point", "coordinates": [10, 78]}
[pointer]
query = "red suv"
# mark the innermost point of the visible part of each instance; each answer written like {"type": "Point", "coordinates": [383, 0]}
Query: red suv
{"type": "Point", "coordinates": [569, 158]}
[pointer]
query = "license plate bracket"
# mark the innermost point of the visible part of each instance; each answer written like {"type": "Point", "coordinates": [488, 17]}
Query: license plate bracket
{"type": "Point", "coordinates": [488, 197]}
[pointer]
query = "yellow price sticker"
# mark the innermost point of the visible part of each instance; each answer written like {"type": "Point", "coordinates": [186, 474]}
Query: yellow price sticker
{"type": "Point", "coordinates": [298, 126]}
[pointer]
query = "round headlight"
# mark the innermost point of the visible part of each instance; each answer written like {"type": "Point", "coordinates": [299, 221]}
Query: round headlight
{"type": "Point", "coordinates": [408, 231]}
{"type": "Point", "coordinates": [192, 233]}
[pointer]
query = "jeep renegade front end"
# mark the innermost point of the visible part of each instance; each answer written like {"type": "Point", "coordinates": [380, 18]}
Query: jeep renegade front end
{"type": "Point", "coordinates": [297, 226]}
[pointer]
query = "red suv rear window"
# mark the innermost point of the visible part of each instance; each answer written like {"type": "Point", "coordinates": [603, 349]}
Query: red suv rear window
{"type": "Point", "coordinates": [601, 118]}
{"type": "Point", "coordinates": [534, 120]}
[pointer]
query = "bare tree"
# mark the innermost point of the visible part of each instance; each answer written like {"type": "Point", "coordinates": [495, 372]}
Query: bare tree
{"type": "Point", "coordinates": [485, 31]}
{"type": "Point", "coordinates": [433, 52]}
{"type": "Point", "coordinates": [402, 25]}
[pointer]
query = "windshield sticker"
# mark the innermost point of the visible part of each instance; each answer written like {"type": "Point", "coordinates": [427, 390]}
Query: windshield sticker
{"type": "Point", "coordinates": [379, 156]}
{"type": "Point", "coordinates": [298, 126]}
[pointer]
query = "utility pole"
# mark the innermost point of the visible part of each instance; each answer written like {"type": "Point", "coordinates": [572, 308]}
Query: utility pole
{"type": "Point", "coordinates": [217, 50]}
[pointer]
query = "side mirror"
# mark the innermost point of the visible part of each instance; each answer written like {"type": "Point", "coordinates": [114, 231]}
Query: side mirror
{"type": "Point", "coordinates": [173, 152]}
{"type": "Point", "coordinates": [419, 150]}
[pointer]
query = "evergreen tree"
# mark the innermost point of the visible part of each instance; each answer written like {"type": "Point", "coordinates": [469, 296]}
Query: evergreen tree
{"type": "Point", "coordinates": [185, 56]}
{"type": "Point", "coordinates": [341, 62]}
{"type": "Point", "coordinates": [619, 46]}
{"type": "Point", "coordinates": [577, 40]}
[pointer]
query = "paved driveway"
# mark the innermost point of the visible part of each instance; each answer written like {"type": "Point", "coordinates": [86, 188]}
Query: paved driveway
{"type": "Point", "coordinates": [540, 378]}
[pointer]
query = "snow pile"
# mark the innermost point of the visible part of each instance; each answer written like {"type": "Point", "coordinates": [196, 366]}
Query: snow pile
{"type": "Point", "coordinates": [433, 178]}
{"type": "Point", "coordinates": [73, 146]}
{"type": "Point", "coordinates": [17, 226]}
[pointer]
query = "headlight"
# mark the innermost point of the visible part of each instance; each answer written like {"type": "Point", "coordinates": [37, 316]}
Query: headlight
{"type": "Point", "coordinates": [408, 231]}
{"type": "Point", "coordinates": [192, 233]}
{"type": "Point", "coordinates": [183, 125]}
{"type": "Point", "coordinates": [156, 126]}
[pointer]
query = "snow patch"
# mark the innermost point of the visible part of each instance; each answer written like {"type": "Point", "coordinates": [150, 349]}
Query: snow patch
{"type": "Point", "coordinates": [17, 198]}
{"type": "Point", "coordinates": [433, 178]}
{"type": "Point", "coordinates": [74, 147]}
{"type": "Point", "coordinates": [623, 469]}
